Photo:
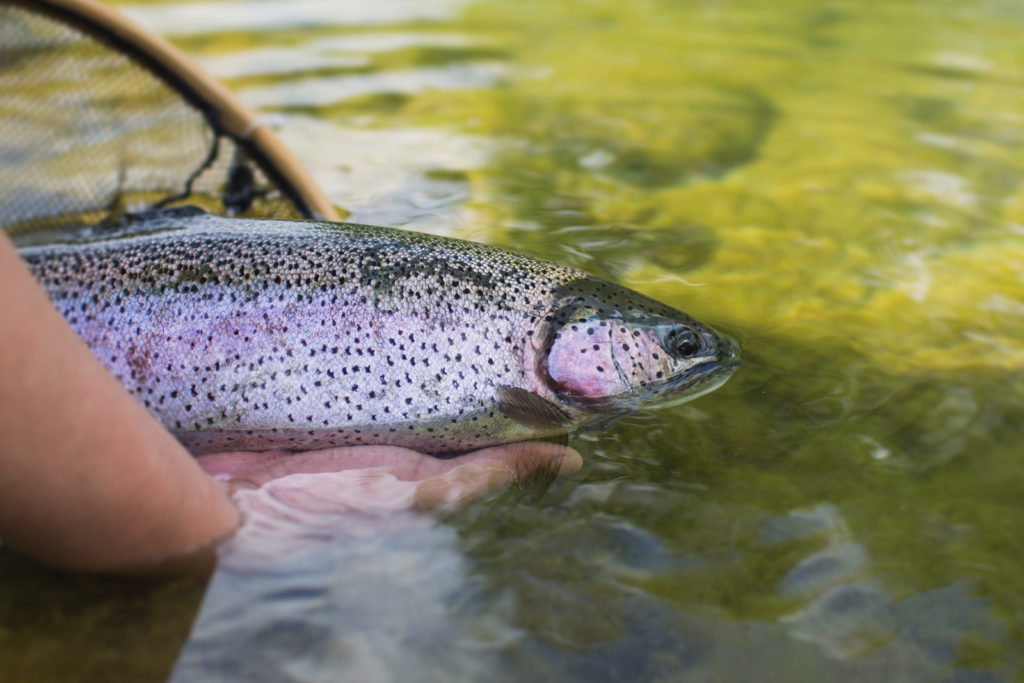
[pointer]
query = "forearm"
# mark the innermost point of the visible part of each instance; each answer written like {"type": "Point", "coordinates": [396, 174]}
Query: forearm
{"type": "Point", "coordinates": [88, 479]}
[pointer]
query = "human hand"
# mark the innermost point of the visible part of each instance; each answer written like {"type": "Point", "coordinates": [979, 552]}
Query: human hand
{"type": "Point", "coordinates": [292, 501]}
{"type": "Point", "coordinates": [379, 478]}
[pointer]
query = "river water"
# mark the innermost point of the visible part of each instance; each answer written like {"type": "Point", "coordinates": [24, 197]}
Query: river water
{"type": "Point", "coordinates": [838, 185]}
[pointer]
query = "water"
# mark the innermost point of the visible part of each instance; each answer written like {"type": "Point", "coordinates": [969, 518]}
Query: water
{"type": "Point", "coordinates": [836, 184]}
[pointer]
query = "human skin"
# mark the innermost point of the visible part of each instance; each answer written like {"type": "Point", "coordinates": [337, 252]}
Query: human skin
{"type": "Point", "coordinates": [89, 480]}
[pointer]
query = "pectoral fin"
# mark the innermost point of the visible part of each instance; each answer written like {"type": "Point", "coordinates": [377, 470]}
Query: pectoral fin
{"type": "Point", "coordinates": [529, 409]}
{"type": "Point", "coordinates": [533, 467]}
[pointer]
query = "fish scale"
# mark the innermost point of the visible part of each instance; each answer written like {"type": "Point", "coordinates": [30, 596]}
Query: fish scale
{"type": "Point", "coordinates": [253, 335]}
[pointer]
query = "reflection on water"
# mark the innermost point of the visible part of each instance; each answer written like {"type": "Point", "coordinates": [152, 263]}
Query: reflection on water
{"type": "Point", "coordinates": [267, 15]}
{"type": "Point", "coordinates": [378, 183]}
{"type": "Point", "coordinates": [360, 599]}
{"type": "Point", "coordinates": [331, 52]}
{"type": "Point", "coordinates": [840, 186]}
{"type": "Point", "coordinates": [329, 90]}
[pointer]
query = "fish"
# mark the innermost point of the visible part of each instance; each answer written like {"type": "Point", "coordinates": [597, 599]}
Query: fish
{"type": "Point", "coordinates": [256, 334]}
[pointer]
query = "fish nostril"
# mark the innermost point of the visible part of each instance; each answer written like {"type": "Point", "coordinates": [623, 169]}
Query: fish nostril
{"type": "Point", "coordinates": [713, 345]}
{"type": "Point", "coordinates": [723, 348]}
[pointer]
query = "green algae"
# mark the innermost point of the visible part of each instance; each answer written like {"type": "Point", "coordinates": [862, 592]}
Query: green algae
{"type": "Point", "coordinates": [863, 211]}
{"type": "Point", "coordinates": [63, 626]}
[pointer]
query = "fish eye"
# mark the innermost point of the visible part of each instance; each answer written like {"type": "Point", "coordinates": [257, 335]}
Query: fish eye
{"type": "Point", "coordinates": [687, 345]}
{"type": "Point", "coordinates": [681, 342]}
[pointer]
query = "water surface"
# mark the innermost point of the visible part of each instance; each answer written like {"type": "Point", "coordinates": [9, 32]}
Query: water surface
{"type": "Point", "coordinates": [836, 184]}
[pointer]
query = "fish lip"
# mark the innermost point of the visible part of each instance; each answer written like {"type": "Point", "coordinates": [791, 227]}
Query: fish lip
{"type": "Point", "coordinates": [700, 379]}
{"type": "Point", "coordinates": [703, 372]}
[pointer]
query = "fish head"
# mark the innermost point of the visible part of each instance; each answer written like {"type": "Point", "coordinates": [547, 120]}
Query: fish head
{"type": "Point", "coordinates": [607, 349]}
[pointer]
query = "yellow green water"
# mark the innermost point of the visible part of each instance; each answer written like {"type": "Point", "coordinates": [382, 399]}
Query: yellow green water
{"type": "Point", "coordinates": [839, 185]}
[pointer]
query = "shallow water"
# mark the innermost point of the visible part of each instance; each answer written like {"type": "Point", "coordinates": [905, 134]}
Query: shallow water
{"type": "Point", "coordinates": [838, 185]}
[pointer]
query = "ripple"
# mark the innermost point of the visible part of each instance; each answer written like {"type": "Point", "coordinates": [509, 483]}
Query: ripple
{"type": "Point", "coordinates": [846, 621]}
{"type": "Point", "coordinates": [399, 176]}
{"type": "Point", "coordinates": [323, 91]}
{"type": "Point", "coordinates": [821, 569]}
{"type": "Point", "coordinates": [269, 15]}
{"type": "Point", "coordinates": [280, 60]}
{"type": "Point", "coordinates": [324, 53]}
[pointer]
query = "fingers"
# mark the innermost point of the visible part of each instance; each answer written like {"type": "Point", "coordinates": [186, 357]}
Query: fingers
{"type": "Point", "coordinates": [477, 474]}
{"type": "Point", "coordinates": [293, 500]}
{"type": "Point", "coordinates": [255, 469]}
{"type": "Point", "coordinates": [526, 456]}
{"type": "Point", "coordinates": [427, 482]}
{"type": "Point", "coordinates": [251, 470]}
{"type": "Point", "coordinates": [461, 485]}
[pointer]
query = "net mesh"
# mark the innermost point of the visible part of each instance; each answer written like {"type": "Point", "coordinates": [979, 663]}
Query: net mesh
{"type": "Point", "coordinates": [87, 134]}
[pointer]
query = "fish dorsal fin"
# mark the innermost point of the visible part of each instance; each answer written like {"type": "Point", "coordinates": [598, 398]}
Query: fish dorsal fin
{"type": "Point", "coordinates": [530, 409]}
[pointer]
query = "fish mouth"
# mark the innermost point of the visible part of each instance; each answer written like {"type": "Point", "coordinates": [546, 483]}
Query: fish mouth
{"type": "Point", "coordinates": [695, 382]}
{"type": "Point", "coordinates": [701, 378]}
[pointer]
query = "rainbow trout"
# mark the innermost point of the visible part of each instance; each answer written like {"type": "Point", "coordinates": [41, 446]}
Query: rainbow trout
{"type": "Point", "coordinates": [243, 334]}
